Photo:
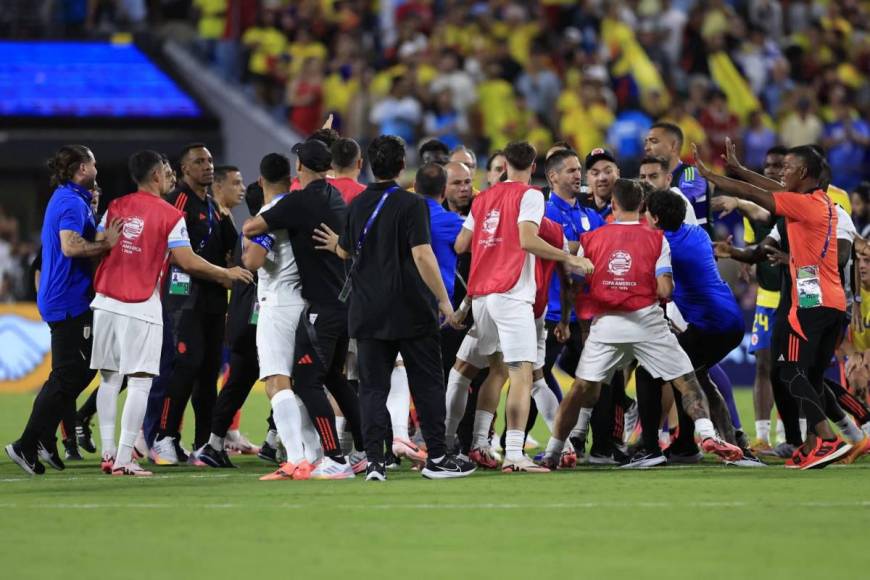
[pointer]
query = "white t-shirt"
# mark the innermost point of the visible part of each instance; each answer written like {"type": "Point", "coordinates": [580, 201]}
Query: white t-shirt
{"type": "Point", "coordinates": [531, 210]}
{"type": "Point", "coordinates": [278, 281]}
{"type": "Point", "coordinates": [690, 218]}
{"type": "Point", "coordinates": [640, 325]}
{"type": "Point", "coordinates": [151, 310]}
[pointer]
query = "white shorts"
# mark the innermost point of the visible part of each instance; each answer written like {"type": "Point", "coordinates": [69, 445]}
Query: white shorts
{"type": "Point", "coordinates": [276, 339]}
{"type": "Point", "coordinates": [126, 345]}
{"type": "Point", "coordinates": [469, 350]}
{"type": "Point", "coordinates": [662, 357]}
{"type": "Point", "coordinates": [505, 325]}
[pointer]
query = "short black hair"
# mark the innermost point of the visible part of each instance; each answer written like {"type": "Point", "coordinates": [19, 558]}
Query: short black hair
{"type": "Point", "coordinates": [275, 168]}
{"type": "Point", "coordinates": [520, 155]}
{"type": "Point", "coordinates": [221, 171]}
{"type": "Point", "coordinates": [811, 158]}
{"type": "Point", "coordinates": [649, 159]}
{"type": "Point", "coordinates": [142, 163]}
{"type": "Point", "coordinates": [431, 180]}
{"type": "Point", "coordinates": [188, 148]}
{"type": "Point", "coordinates": [777, 150]}
{"type": "Point", "coordinates": [345, 152]}
{"type": "Point", "coordinates": [327, 135]}
{"type": "Point", "coordinates": [435, 146]}
{"type": "Point", "coordinates": [386, 155]}
{"type": "Point", "coordinates": [671, 128]}
{"type": "Point", "coordinates": [628, 193]}
{"type": "Point", "coordinates": [557, 159]}
{"type": "Point", "coordinates": [668, 207]}
{"type": "Point", "coordinates": [492, 157]}
{"type": "Point", "coordinates": [254, 198]}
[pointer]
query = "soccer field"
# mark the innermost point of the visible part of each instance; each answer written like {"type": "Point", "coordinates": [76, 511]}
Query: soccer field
{"type": "Point", "coordinates": [700, 522]}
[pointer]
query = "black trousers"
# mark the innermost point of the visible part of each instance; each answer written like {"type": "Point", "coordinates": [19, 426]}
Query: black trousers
{"type": "Point", "coordinates": [244, 372]}
{"type": "Point", "coordinates": [199, 338]}
{"type": "Point", "coordinates": [422, 357]}
{"type": "Point", "coordinates": [321, 350]}
{"type": "Point", "coordinates": [71, 342]}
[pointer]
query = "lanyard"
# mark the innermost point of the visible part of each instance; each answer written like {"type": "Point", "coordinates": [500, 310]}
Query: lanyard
{"type": "Point", "coordinates": [371, 220]}
{"type": "Point", "coordinates": [828, 236]}
{"type": "Point", "coordinates": [210, 211]}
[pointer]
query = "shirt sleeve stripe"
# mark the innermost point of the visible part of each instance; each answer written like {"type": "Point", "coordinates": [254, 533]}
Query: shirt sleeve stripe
{"type": "Point", "coordinates": [664, 270]}
{"type": "Point", "coordinates": [179, 244]}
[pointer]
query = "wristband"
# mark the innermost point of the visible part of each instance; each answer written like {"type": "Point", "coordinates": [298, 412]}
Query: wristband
{"type": "Point", "coordinates": [464, 307]}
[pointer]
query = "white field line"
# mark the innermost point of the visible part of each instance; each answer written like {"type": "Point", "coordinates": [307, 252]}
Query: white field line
{"type": "Point", "coordinates": [435, 506]}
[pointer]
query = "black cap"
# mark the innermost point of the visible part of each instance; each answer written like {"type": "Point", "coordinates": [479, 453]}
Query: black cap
{"type": "Point", "coordinates": [313, 154]}
{"type": "Point", "coordinates": [597, 155]}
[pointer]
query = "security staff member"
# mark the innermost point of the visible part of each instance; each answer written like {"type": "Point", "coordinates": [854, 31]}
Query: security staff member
{"type": "Point", "coordinates": [197, 307]}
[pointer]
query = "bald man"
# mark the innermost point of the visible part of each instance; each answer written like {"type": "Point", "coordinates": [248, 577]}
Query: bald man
{"type": "Point", "coordinates": [458, 192]}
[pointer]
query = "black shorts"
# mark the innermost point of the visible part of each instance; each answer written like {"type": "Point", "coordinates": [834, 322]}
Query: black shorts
{"type": "Point", "coordinates": [822, 328]}
{"type": "Point", "coordinates": [706, 348]}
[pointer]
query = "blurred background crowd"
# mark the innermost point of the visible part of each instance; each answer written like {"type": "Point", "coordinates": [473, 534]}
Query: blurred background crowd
{"type": "Point", "coordinates": [481, 73]}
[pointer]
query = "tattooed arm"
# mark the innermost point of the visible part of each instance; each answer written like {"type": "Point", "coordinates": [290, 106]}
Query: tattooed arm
{"type": "Point", "coordinates": [73, 245]}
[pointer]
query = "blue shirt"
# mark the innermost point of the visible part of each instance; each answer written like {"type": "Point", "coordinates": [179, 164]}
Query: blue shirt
{"type": "Point", "coordinates": [65, 284]}
{"type": "Point", "coordinates": [694, 187]}
{"type": "Point", "coordinates": [704, 299]}
{"type": "Point", "coordinates": [575, 220]}
{"type": "Point", "coordinates": [445, 226]}
{"type": "Point", "coordinates": [847, 158]}
{"type": "Point", "coordinates": [627, 132]}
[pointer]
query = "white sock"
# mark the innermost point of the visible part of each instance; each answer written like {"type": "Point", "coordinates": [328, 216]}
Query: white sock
{"type": "Point", "coordinates": [848, 428]}
{"type": "Point", "coordinates": [399, 402]}
{"type": "Point", "coordinates": [345, 437]}
{"type": "Point", "coordinates": [664, 437]}
{"type": "Point", "coordinates": [546, 401]}
{"type": "Point", "coordinates": [803, 424]}
{"type": "Point", "coordinates": [272, 438]}
{"type": "Point", "coordinates": [555, 446]}
{"type": "Point", "coordinates": [217, 443]}
{"type": "Point", "coordinates": [704, 428]}
{"type": "Point", "coordinates": [482, 423]}
{"type": "Point", "coordinates": [513, 443]}
{"type": "Point", "coordinates": [288, 421]}
{"type": "Point", "coordinates": [780, 431]}
{"type": "Point", "coordinates": [457, 399]}
{"type": "Point", "coordinates": [762, 430]}
{"type": "Point", "coordinates": [107, 409]}
{"type": "Point", "coordinates": [132, 417]}
{"type": "Point", "coordinates": [310, 437]}
{"type": "Point", "coordinates": [582, 426]}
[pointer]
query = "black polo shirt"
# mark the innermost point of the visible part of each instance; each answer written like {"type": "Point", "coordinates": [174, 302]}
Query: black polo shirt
{"type": "Point", "coordinates": [300, 212]}
{"type": "Point", "coordinates": [389, 300]}
{"type": "Point", "coordinates": [213, 238]}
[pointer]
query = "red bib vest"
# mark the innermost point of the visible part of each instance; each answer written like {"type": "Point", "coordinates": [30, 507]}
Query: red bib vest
{"type": "Point", "coordinates": [496, 256]}
{"type": "Point", "coordinates": [552, 233]}
{"type": "Point", "coordinates": [624, 256]}
{"type": "Point", "coordinates": [137, 263]}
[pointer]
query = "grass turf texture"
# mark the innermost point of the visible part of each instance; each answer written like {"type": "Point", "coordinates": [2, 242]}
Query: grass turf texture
{"type": "Point", "coordinates": [705, 521]}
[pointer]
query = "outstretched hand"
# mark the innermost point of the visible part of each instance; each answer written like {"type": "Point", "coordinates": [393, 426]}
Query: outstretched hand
{"type": "Point", "coordinates": [730, 156]}
{"type": "Point", "coordinates": [699, 163]}
{"type": "Point", "coordinates": [723, 204]}
{"type": "Point", "coordinates": [723, 249]}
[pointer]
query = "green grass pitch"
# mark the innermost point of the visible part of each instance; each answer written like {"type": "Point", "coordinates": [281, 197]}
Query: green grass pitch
{"type": "Point", "coordinates": [188, 523]}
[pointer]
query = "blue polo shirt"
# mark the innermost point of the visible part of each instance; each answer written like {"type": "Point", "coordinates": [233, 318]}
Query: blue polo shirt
{"type": "Point", "coordinates": [694, 187]}
{"type": "Point", "coordinates": [704, 299]}
{"type": "Point", "coordinates": [445, 226]}
{"type": "Point", "coordinates": [575, 220]}
{"type": "Point", "coordinates": [65, 284]}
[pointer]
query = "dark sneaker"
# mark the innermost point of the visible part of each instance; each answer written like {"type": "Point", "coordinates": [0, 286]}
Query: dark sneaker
{"type": "Point", "coordinates": [47, 452]}
{"type": "Point", "coordinates": [391, 461]}
{"type": "Point", "coordinates": [688, 456]}
{"type": "Point", "coordinates": [449, 467]}
{"type": "Point", "coordinates": [30, 465]}
{"type": "Point", "coordinates": [268, 453]}
{"type": "Point", "coordinates": [180, 452]}
{"type": "Point", "coordinates": [84, 437]}
{"type": "Point", "coordinates": [646, 460]}
{"type": "Point", "coordinates": [225, 457]}
{"type": "Point", "coordinates": [71, 451]}
{"type": "Point", "coordinates": [550, 461]}
{"type": "Point", "coordinates": [210, 456]}
{"type": "Point", "coordinates": [749, 460]}
{"type": "Point", "coordinates": [376, 471]}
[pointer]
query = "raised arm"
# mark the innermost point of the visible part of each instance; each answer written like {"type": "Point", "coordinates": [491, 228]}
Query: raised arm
{"type": "Point", "coordinates": [744, 174]}
{"type": "Point", "coordinates": [741, 189]}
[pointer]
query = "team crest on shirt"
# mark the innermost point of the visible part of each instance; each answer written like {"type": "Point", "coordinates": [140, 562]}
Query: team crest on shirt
{"type": "Point", "coordinates": [133, 227]}
{"type": "Point", "coordinates": [490, 224]}
{"type": "Point", "coordinates": [619, 263]}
